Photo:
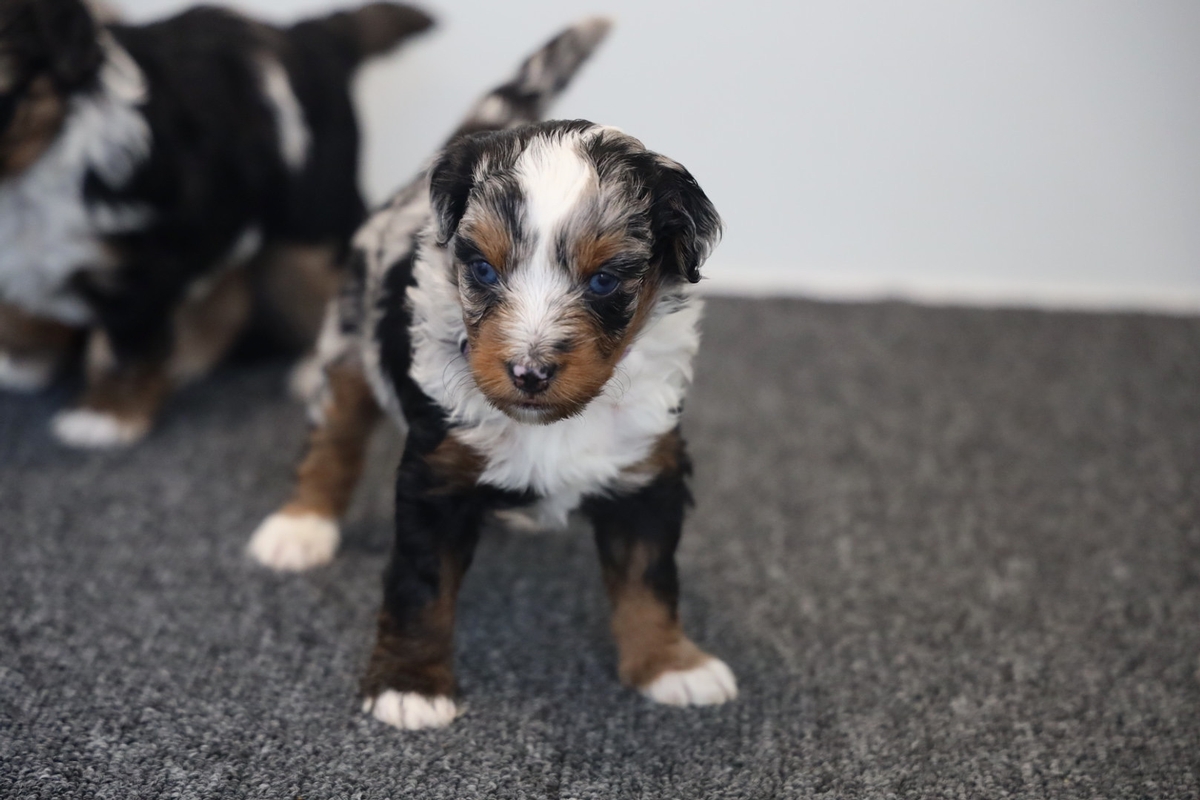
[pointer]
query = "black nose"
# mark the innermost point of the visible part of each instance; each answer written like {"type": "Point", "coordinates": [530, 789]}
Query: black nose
{"type": "Point", "coordinates": [531, 378]}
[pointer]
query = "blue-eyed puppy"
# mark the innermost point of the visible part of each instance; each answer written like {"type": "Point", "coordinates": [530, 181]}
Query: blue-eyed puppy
{"type": "Point", "coordinates": [524, 311]}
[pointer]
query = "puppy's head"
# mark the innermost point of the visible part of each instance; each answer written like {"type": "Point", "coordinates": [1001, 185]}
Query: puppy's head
{"type": "Point", "coordinates": [48, 49]}
{"type": "Point", "coordinates": [564, 236]}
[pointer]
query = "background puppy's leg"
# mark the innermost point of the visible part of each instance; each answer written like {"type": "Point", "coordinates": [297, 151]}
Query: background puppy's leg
{"type": "Point", "coordinates": [121, 399]}
{"type": "Point", "coordinates": [293, 284]}
{"type": "Point", "coordinates": [207, 325]}
{"type": "Point", "coordinates": [304, 533]}
{"type": "Point", "coordinates": [127, 386]}
{"type": "Point", "coordinates": [637, 535]}
{"type": "Point", "coordinates": [409, 682]}
{"type": "Point", "coordinates": [31, 349]}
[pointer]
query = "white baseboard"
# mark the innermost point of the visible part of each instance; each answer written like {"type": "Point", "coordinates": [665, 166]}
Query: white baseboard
{"type": "Point", "coordinates": [939, 292]}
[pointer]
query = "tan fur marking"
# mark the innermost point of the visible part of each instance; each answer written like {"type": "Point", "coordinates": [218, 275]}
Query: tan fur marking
{"type": "Point", "coordinates": [649, 638]}
{"type": "Point", "coordinates": [419, 656]}
{"type": "Point", "coordinates": [326, 478]}
{"type": "Point", "coordinates": [207, 326]}
{"type": "Point", "coordinates": [25, 336]}
{"type": "Point", "coordinates": [36, 121]}
{"type": "Point", "coordinates": [457, 464]}
{"type": "Point", "coordinates": [594, 250]}
{"type": "Point", "coordinates": [491, 236]}
{"type": "Point", "coordinates": [663, 457]}
{"type": "Point", "coordinates": [293, 284]}
{"type": "Point", "coordinates": [132, 393]}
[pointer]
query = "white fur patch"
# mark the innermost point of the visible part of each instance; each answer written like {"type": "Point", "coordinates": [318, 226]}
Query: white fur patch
{"type": "Point", "coordinates": [553, 176]}
{"type": "Point", "coordinates": [26, 374]}
{"type": "Point", "coordinates": [83, 427]}
{"type": "Point", "coordinates": [709, 684]}
{"type": "Point", "coordinates": [411, 711]}
{"type": "Point", "coordinates": [47, 230]}
{"type": "Point", "coordinates": [523, 520]}
{"type": "Point", "coordinates": [306, 379]}
{"type": "Point", "coordinates": [294, 543]}
{"type": "Point", "coordinates": [294, 136]}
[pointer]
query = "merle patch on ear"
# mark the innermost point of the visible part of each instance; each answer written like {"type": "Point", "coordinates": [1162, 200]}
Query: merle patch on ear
{"type": "Point", "coordinates": [685, 224]}
{"type": "Point", "coordinates": [451, 180]}
{"type": "Point", "coordinates": [69, 45]}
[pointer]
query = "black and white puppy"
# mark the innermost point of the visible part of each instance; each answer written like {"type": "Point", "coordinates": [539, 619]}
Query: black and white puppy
{"type": "Point", "coordinates": [142, 166]}
{"type": "Point", "coordinates": [523, 309]}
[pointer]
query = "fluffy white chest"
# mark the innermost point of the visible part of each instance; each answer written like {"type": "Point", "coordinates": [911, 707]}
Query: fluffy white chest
{"type": "Point", "coordinates": [47, 231]}
{"type": "Point", "coordinates": [575, 457]}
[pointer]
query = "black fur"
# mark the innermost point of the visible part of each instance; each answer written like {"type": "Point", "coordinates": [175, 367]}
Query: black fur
{"type": "Point", "coordinates": [650, 518]}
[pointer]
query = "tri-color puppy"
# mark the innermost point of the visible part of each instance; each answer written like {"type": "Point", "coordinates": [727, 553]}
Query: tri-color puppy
{"type": "Point", "coordinates": [142, 166]}
{"type": "Point", "coordinates": [523, 309]}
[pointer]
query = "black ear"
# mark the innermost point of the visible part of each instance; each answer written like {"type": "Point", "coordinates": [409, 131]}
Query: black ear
{"type": "Point", "coordinates": [69, 41]}
{"type": "Point", "coordinates": [451, 179]}
{"type": "Point", "coordinates": [685, 224]}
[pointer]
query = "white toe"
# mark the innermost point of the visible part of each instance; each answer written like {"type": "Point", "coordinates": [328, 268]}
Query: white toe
{"type": "Point", "coordinates": [709, 684]}
{"type": "Point", "coordinates": [411, 711]}
{"type": "Point", "coordinates": [25, 374]}
{"type": "Point", "coordinates": [521, 521]}
{"type": "Point", "coordinates": [306, 379]}
{"type": "Point", "coordinates": [83, 427]}
{"type": "Point", "coordinates": [294, 543]}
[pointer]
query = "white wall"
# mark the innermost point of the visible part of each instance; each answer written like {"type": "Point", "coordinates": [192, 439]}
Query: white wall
{"type": "Point", "coordinates": [1041, 151]}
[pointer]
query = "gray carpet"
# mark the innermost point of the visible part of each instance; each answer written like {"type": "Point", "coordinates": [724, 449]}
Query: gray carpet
{"type": "Point", "coordinates": [949, 553]}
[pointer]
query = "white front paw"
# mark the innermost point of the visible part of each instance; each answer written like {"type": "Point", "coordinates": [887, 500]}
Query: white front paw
{"type": "Point", "coordinates": [294, 543]}
{"type": "Point", "coordinates": [83, 427]}
{"type": "Point", "coordinates": [411, 711]}
{"type": "Point", "coordinates": [709, 684]}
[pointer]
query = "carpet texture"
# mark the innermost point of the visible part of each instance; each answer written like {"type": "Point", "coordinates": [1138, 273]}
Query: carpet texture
{"type": "Point", "coordinates": [948, 553]}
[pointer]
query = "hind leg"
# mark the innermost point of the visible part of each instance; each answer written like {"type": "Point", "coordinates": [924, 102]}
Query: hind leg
{"type": "Point", "coordinates": [124, 395]}
{"type": "Point", "coordinates": [32, 349]}
{"type": "Point", "coordinates": [304, 532]}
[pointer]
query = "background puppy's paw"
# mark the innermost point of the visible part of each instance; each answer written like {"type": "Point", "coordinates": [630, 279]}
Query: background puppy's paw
{"type": "Point", "coordinates": [521, 521]}
{"type": "Point", "coordinates": [411, 711]}
{"type": "Point", "coordinates": [26, 374]}
{"type": "Point", "coordinates": [711, 683]}
{"type": "Point", "coordinates": [85, 427]}
{"type": "Point", "coordinates": [294, 543]}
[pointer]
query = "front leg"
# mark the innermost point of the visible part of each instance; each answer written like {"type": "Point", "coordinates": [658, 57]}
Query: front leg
{"type": "Point", "coordinates": [127, 359]}
{"type": "Point", "coordinates": [637, 534]}
{"type": "Point", "coordinates": [121, 399]}
{"type": "Point", "coordinates": [409, 682]}
{"type": "Point", "coordinates": [32, 349]}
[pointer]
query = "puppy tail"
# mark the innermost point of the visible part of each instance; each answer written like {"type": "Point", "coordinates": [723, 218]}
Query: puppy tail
{"type": "Point", "coordinates": [372, 29]}
{"type": "Point", "coordinates": [539, 80]}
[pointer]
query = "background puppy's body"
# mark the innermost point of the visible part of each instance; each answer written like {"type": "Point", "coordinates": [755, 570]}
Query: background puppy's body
{"type": "Point", "coordinates": [138, 163]}
{"type": "Point", "coordinates": [523, 311]}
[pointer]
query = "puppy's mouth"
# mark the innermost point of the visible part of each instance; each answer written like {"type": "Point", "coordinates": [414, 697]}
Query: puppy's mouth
{"type": "Point", "coordinates": [534, 410]}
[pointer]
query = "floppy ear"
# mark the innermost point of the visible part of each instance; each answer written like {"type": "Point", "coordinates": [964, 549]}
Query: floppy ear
{"type": "Point", "coordinates": [69, 40]}
{"type": "Point", "coordinates": [685, 225]}
{"type": "Point", "coordinates": [450, 182]}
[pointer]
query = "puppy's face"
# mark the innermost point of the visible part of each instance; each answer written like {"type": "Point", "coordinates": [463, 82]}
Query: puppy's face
{"type": "Point", "coordinates": [563, 237]}
{"type": "Point", "coordinates": [48, 49]}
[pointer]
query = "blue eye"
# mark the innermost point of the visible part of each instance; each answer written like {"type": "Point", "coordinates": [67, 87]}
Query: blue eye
{"type": "Point", "coordinates": [603, 283]}
{"type": "Point", "coordinates": [484, 272]}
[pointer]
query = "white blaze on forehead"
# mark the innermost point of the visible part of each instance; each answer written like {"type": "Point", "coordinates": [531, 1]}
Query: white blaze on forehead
{"type": "Point", "coordinates": [554, 178]}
